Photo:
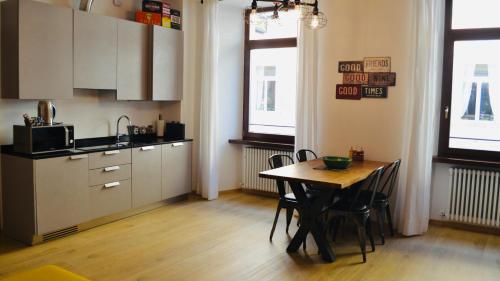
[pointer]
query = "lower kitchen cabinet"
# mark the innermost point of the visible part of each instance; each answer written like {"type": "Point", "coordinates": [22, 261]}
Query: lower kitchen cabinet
{"type": "Point", "coordinates": [61, 192]}
{"type": "Point", "coordinates": [110, 198]}
{"type": "Point", "coordinates": [146, 175]}
{"type": "Point", "coordinates": [176, 178]}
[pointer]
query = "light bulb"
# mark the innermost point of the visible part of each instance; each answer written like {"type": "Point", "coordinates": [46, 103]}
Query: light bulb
{"type": "Point", "coordinates": [315, 22]}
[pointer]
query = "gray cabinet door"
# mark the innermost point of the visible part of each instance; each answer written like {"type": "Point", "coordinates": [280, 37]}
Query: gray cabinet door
{"type": "Point", "coordinates": [146, 175]}
{"type": "Point", "coordinates": [62, 192]}
{"type": "Point", "coordinates": [133, 61]}
{"type": "Point", "coordinates": [167, 64]}
{"type": "Point", "coordinates": [37, 50]}
{"type": "Point", "coordinates": [176, 161]}
{"type": "Point", "coordinates": [95, 52]}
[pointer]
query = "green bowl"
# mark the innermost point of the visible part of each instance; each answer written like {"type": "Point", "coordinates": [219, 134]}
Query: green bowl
{"type": "Point", "coordinates": [335, 162]}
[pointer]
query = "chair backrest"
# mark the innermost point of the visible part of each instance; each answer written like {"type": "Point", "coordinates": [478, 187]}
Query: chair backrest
{"type": "Point", "coordinates": [389, 178]}
{"type": "Point", "coordinates": [278, 161]}
{"type": "Point", "coordinates": [372, 184]}
{"type": "Point", "coordinates": [302, 155]}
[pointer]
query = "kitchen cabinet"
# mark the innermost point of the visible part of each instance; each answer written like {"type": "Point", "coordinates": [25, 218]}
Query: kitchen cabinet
{"type": "Point", "coordinates": [167, 64]}
{"type": "Point", "coordinates": [37, 50]}
{"type": "Point", "coordinates": [61, 188]}
{"type": "Point", "coordinates": [110, 198]}
{"type": "Point", "coordinates": [95, 51]}
{"type": "Point", "coordinates": [133, 61]}
{"type": "Point", "coordinates": [146, 175]}
{"type": "Point", "coordinates": [176, 178]}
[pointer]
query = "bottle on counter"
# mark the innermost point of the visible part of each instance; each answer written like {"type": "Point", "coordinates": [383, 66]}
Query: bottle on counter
{"type": "Point", "coordinates": [160, 126]}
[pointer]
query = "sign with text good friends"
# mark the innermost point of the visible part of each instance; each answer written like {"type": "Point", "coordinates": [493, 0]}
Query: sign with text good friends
{"type": "Point", "coordinates": [377, 64]}
{"type": "Point", "coordinates": [374, 92]}
{"type": "Point", "coordinates": [350, 66]}
{"type": "Point", "coordinates": [382, 79]}
{"type": "Point", "coordinates": [356, 78]}
{"type": "Point", "coordinates": [348, 92]}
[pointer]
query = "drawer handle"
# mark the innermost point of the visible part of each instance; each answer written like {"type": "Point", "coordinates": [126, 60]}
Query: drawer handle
{"type": "Point", "coordinates": [112, 184]}
{"type": "Point", "coordinates": [78, 157]}
{"type": "Point", "coordinates": [147, 148]}
{"type": "Point", "coordinates": [111, 169]}
{"type": "Point", "coordinates": [112, 152]}
{"type": "Point", "coordinates": [177, 144]}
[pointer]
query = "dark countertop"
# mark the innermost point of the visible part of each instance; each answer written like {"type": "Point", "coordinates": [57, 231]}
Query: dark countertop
{"type": "Point", "coordinates": [92, 145]}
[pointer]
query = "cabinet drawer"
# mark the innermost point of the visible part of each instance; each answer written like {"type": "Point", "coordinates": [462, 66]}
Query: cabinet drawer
{"type": "Point", "coordinates": [111, 198]}
{"type": "Point", "coordinates": [110, 158]}
{"type": "Point", "coordinates": [109, 174]}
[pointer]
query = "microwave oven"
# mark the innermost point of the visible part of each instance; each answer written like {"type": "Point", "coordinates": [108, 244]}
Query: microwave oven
{"type": "Point", "coordinates": [40, 139]}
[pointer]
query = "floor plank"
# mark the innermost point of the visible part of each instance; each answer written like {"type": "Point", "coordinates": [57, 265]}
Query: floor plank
{"type": "Point", "coordinates": [227, 239]}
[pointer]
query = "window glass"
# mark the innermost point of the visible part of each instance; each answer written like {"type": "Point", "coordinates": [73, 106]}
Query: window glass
{"type": "Point", "coordinates": [475, 96]}
{"type": "Point", "coordinates": [475, 14]}
{"type": "Point", "coordinates": [273, 79]}
{"type": "Point", "coordinates": [284, 27]}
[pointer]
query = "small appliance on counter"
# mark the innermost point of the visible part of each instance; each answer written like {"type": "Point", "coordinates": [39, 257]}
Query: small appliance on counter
{"type": "Point", "coordinates": [174, 131]}
{"type": "Point", "coordinates": [40, 139]}
{"type": "Point", "coordinates": [46, 112]}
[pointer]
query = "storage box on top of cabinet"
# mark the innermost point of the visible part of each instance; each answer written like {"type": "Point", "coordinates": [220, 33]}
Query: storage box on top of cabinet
{"type": "Point", "coordinates": [37, 50]}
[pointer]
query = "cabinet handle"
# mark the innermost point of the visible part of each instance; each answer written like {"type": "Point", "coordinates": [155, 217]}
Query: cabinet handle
{"type": "Point", "coordinates": [112, 184]}
{"type": "Point", "coordinates": [112, 152]}
{"type": "Point", "coordinates": [77, 157]}
{"type": "Point", "coordinates": [177, 144]}
{"type": "Point", "coordinates": [147, 148]}
{"type": "Point", "coordinates": [110, 169]}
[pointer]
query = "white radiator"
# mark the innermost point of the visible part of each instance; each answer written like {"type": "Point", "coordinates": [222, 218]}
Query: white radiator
{"type": "Point", "coordinates": [475, 197]}
{"type": "Point", "coordinates": [254, 162]}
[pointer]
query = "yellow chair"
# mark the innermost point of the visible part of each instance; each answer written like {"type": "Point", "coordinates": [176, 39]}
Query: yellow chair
{"type": "Point", "coordinates": [46, 273]}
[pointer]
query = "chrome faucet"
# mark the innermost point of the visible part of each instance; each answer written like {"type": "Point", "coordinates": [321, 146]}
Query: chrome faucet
{"type": "Point", "coordinates": [118, 127]}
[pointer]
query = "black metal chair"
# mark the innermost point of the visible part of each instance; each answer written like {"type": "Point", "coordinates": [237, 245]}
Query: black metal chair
{"type": "Point", "coordinates": [302, 155]}
{"type": "Point", "coordinates": [357, 209]}
{"type": "Point", "coordinates": [287, 200]}
{"type": "Point", "coordinates": [381, 200]}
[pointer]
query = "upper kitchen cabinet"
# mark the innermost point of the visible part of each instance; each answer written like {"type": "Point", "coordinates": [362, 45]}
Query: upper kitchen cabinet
{"type": "Point", "coordinates": [95, 51]}
{"type": "Point", "coordinates": [167, 64]}
{"type": "Point", "coordinates": [133, 61]}
{"type": "Point", "coordinates": [37, 50]}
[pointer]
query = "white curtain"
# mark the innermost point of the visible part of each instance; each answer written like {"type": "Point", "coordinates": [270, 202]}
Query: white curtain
{"type": "Point", "coordinates": [306, 127]}
{"type": "Point", "coordinates": [207, 182]}
{"type": "Point", "coordinates": [421, 130]}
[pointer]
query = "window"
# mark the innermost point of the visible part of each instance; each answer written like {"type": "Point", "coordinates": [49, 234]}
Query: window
{"type": "Point", "coordinates": [471, 81]}
{"type": "Point", "coordinates": [270, 78]}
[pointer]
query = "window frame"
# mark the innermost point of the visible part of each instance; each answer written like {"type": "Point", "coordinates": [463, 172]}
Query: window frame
{"type": "Point", "coordinates": [253, 45]}
{"type": "Point", "coordinates": [450, 37]}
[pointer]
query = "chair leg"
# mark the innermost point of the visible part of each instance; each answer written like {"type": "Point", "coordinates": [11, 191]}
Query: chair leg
{"type": "Point", "coordinates": [381, 220]}
{"type": "Point", "coordinates": [289, 216]}
{"type": "Point", "coordinates": [361, 237]}
{"type": "Point", "coordinates": [368, 229]}
{"type": "Point", "coordinates": [275, 221]}
{"type": "Point", "coordinates": [389, 219]}
{"type": "Point", "coordinates": [336, 226]}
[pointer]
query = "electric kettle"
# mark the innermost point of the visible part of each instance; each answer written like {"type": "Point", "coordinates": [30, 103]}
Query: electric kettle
{"type": "Point", "coordinates": [47, 112]}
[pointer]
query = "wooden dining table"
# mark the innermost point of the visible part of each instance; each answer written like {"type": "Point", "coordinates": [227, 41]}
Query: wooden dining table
{"type": "Point", "coordinates": [325, 182]}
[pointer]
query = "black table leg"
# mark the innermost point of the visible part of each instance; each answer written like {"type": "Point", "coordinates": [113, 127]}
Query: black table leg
{"type": "Point", "coordinates": [310, 212]}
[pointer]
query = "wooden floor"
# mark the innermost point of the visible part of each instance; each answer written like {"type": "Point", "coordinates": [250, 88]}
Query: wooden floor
{"type": "Point", "coordinates": [227, 239]}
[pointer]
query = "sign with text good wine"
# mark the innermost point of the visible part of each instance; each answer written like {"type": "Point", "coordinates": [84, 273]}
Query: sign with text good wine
{"type": "Point", "coordinates": [377, 64]}
{"type": "Point", "coordinates": [348, 92]}
{"type": "Point", "coordinates": [382, 79]}
{"type": "Point", "coordinates": [374, 92]}
{"type": "Point", "coordinates": [350, 66]}
{"type": "Point", "coordinates": [356, 78]}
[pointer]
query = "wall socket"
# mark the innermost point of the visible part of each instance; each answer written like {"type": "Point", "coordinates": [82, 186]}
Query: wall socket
{"type": "Point", "coordinates": [443, 214]}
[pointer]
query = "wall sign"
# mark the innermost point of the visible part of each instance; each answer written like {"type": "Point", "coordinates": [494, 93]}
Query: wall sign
{"type": "Point", "coordinates": [356, 78]}
{"type": "Point", "coordinates": [348, 92]}
{"type": "Point", "coordinates": [350, 66]}
{"type": "Point", "coordinates": [382, 79]}
{"type": "Point", "coordinates": [377, 64]}
{"type": "Point", "coordinates": [374, 92]}
{"type": "Point", "coordinates": [365, 79]}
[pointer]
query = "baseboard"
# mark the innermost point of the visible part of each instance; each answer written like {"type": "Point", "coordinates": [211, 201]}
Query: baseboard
{"type": "Point", "coordinates": [229, 191]}
{"type": "Point", "coordinates": [466, 227]}
{"type": "Point", "coordinates": [260, 193]}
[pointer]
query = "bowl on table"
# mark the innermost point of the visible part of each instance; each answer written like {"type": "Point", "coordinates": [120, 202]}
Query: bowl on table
{"type": "Point", "coordinates": [336, 162]}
